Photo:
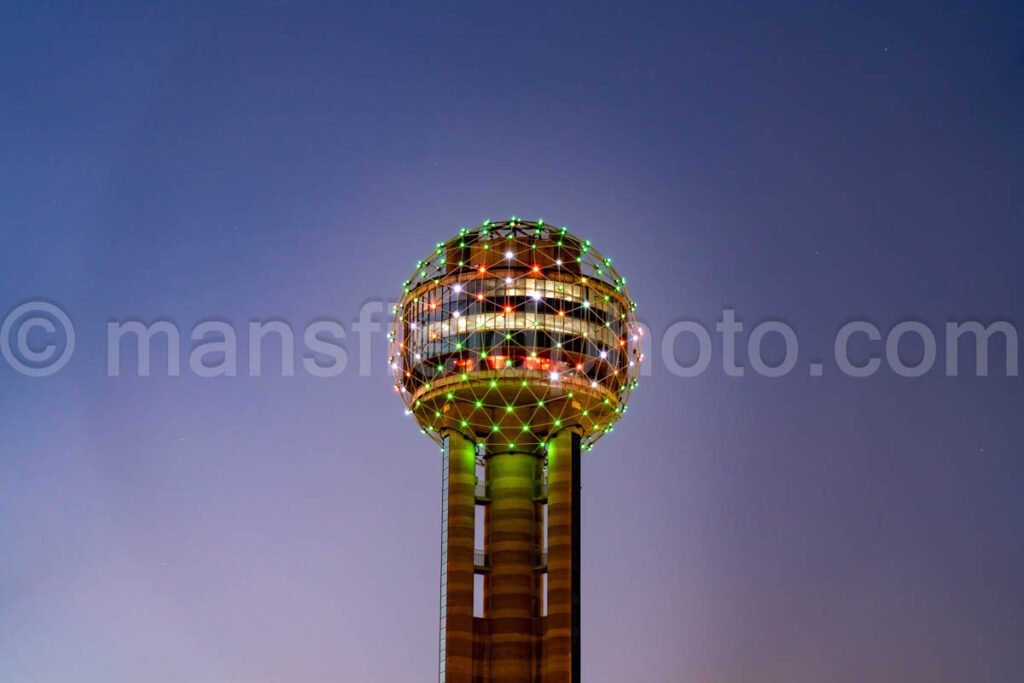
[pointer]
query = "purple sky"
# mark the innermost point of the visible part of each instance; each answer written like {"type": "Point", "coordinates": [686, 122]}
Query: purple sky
{"type": "Point", "coordinates": [292, 161]}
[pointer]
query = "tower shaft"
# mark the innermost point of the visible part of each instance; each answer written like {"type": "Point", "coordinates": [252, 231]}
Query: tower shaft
{"type": "Point", "coordinates": [529, 628]}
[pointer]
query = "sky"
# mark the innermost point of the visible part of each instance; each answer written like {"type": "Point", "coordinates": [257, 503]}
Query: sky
{"type": "Point", "coordinates": [291, 161]}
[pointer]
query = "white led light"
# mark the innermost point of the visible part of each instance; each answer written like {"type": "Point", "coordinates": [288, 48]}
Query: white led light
{"type": "Point", "coordinates": [554, 376]}
{"type": "Point", "coordinates": [508, 281]}
{"type": "Point", "coordinates": [604, 355]}
{"type": "Point", "coordinates": [457, 288]}
{"type": "Point", "coordinates": [456, 314]}
{"type": "Point", "coordinates": [509, 255]}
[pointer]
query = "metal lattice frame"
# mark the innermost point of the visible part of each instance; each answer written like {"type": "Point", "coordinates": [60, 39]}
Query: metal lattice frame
{"type": "Point", "coordinates": [512, 331]}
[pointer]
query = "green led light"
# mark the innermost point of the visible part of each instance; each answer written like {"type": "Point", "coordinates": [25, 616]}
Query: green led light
{"type": "Point", "coordinates": [479, 404]}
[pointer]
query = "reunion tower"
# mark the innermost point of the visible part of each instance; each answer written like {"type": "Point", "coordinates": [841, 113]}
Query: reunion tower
{"type": "Point", "coordinates": [515, 347]}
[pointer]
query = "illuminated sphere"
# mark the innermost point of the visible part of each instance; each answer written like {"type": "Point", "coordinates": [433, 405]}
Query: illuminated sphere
{"type": "Point", "coordinates": [512, 331]}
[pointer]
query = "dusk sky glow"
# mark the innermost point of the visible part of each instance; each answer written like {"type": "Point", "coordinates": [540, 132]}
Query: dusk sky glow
{"type": "Point", "coordinates": [290, 161]}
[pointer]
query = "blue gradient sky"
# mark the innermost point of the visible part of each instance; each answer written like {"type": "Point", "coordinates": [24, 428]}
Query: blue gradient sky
{"type": "Point", "coordinates": [293, 160]}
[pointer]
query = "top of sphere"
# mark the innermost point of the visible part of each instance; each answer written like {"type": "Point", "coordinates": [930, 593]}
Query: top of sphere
{"type": "Point", "coordinates": [512, 331]}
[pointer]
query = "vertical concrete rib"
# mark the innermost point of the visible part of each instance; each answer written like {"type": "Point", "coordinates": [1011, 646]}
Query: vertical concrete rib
{"type": "Point", "coordinates": [562, 634]}
{"type": "Point", "coordinates": [457, 567]}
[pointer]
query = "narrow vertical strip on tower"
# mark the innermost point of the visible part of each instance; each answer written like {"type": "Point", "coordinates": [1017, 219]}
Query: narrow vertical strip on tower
{"type": "Point", "coordinates": [562, 632]}
{"type": "Point", "coordinates": [445, 485]}
{"type": "Point", "coordinates": [457, 539]}
{"type": "Point", "coordinates": [577, 556]}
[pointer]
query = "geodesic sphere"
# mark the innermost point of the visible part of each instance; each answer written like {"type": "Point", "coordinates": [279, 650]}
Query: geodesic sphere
{"type": "Point", "coordinates": [512, 331]}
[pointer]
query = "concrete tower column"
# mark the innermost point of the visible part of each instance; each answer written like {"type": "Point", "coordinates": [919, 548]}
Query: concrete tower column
{"type": "Point", "coordinates": [512, 545]}
{"type": "Point", "coordinates": [562, 634]}
{"type": "Point", "coordinates": [459, 517]}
